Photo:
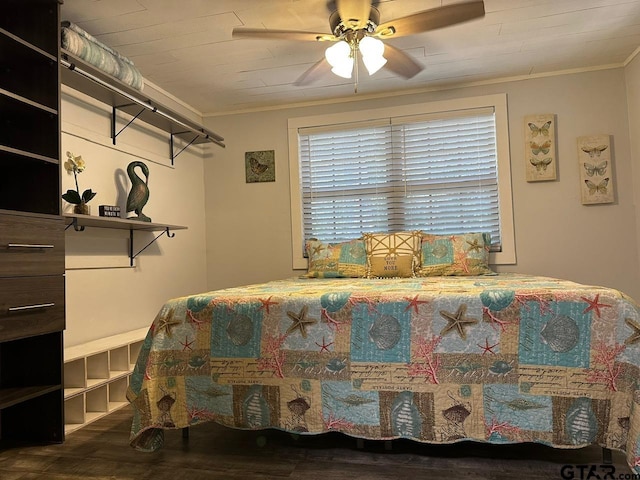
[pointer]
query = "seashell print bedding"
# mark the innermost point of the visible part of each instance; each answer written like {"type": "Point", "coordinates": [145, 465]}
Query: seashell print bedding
{"type": "Point", "coordinates": [501, 359]}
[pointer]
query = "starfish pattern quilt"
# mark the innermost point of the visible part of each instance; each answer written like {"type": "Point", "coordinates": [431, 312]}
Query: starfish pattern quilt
{"type": "Point", "coordinates": [501, 359]}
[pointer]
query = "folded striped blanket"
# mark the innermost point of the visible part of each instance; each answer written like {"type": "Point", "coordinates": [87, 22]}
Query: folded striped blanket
{"type": "Point", "coordinates": [85, 46]}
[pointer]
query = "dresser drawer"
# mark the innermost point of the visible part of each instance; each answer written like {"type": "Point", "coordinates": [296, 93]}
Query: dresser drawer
{"type": "Point", "coordinates": [31, 245]}
{"type": "Point", "coordinates": [31, 306]}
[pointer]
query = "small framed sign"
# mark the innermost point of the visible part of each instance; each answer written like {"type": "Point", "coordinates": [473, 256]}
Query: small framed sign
{"type": "Point", "coordinates": [109, 211]}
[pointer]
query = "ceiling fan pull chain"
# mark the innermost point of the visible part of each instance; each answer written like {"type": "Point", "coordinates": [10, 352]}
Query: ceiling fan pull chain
{"type": "Point", "coordinates": [355, 61]}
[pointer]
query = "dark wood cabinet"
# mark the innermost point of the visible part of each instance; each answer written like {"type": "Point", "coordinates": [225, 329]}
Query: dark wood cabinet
{"type": "Point", "coordinates": [31, 306]}
{"type": "Point", "coordinates": [31, 245]}
{"type": "Point", "coordinates": [32, 310]}
{"type": "Point", "coordinates": [36, 22]}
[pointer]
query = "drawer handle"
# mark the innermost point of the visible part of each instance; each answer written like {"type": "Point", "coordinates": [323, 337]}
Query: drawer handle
{"type": "Point", "coordinates": [31, 307]}
{"type": "Point", "coordinates": [28, 245]}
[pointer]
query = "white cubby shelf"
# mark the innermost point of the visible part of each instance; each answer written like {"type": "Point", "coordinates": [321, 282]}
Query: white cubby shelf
{"type": "Point", "coordinates": [96, 377]}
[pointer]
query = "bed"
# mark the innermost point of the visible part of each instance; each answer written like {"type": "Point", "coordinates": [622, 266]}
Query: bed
{"type": "Point", "coordinates": [504, 358]}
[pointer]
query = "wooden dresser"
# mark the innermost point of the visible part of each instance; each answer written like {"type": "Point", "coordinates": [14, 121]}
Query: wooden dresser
{"type": "Point", "coordinates": [32, 312]}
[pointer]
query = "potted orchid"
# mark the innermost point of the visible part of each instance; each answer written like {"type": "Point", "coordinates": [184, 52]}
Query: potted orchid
{"type": "Point", "coordinates": [76, 165]}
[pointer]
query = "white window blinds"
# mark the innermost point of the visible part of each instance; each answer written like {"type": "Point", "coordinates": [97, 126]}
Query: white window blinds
{"type": "Point", "coordinates": [437, 173]}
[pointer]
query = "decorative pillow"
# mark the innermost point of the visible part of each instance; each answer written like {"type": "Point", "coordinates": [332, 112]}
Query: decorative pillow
{"type": "Point", "coordinates": [336, 260]}
{"type": "Point", "coordinates": [464, 254]}
{"type": "Point", "coordinates": [392, 254]}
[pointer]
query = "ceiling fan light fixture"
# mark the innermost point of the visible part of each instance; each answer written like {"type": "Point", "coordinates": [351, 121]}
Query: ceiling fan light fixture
{"type": "Point", "coordinates": [340, 58]}
{"type": "Point", "coordinates": [372, 51]}
{"type": "Point", "coordinates": [354, 23]}
{"type": "Point", "coordinates": [373, 64]}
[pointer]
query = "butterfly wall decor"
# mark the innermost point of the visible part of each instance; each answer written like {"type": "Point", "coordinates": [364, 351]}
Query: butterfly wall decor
{"type": "Point", "coordinates": [541, 165]}
{"type": "Point", "coordinates": [599, 188]}
{"type": "Point", "coordinates": [595, 169]}
{"type": "Point", "coordinates": [540, 147]}
{"type": "Point", "coordinates": [257, 167]}
{"type": "Point", "coordinates": [596, 179]}
{"type": "Point", "coordinates": [543, 130]}
{"type": "Point", "coordinates": [594, 151]}
{"type": "Point", "coordinates": [260, 166]}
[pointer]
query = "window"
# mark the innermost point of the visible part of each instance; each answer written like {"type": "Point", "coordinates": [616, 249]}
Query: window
{"type": "Point", "coordinates": [441, 168]}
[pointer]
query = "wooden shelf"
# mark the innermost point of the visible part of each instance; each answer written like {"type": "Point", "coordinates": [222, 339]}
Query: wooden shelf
{"type": "Point", "coordinates": [31, 395]}
{"type": "Point", "coordinates": [13, 396]}
{"type": "Point", "coordinates": [87, 79]}
{"type": "Point", "coordinates": [34, 23]}
{"type": "Point", "coordinates": [78, 220]}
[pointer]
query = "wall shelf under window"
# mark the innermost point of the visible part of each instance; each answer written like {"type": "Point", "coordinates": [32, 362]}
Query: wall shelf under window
{"type": "Point", "coordinates": [80, 222]}
{"type": "Point", "coordinates": [85, 78]}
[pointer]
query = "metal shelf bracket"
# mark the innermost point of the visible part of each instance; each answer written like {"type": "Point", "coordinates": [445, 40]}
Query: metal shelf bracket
{"type": "Point", "coordinates": [171, 142]}
{"type": "Point", "coordinates": [166, 231]}
{"type": "Point", "coordinates": [114, 111]}
{"type": "Point", "coordinates": [74, 224]}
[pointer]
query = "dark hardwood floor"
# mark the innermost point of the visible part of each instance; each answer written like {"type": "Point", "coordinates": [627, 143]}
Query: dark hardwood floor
{"type": "Point", "coordinates": [101, 451]}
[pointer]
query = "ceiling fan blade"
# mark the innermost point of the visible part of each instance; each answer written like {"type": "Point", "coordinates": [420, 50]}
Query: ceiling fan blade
{"type": "Point", "coordinates": [282, 34]}
{"type": "Point", "coordinates": [354, 13]}
{"type": "Point", "coordinates": [319, 69]}
{"type": "Point", "coordinates": [400, 63]}
{"type": "Point", "coordinates": [432, 19]}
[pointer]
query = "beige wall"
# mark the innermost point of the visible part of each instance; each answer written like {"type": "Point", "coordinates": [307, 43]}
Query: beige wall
{"type": "Point", "coordinates": [248, 225]}
{"type": "Point", "coordinates": [632, 80]}
{"type": "Point", "coordinates": [103, 295]}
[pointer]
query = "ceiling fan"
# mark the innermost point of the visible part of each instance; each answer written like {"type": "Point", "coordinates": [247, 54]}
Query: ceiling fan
{"type": "Point", "coordinates": [357, 31]}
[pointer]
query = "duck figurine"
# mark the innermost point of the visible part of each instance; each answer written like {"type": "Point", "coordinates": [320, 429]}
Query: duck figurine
{"type": "Point", "coordinates": [139, 193]}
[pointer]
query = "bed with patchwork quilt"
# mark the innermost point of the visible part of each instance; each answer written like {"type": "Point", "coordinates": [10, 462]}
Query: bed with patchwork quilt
{"type": "Point", "coordinates": [501, 359]}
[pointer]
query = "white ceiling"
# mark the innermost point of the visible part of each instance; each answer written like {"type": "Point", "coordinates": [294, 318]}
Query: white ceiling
{"type": "Point", "coordinates": [185, 46]}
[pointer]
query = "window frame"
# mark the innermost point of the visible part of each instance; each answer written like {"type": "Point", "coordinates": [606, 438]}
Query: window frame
{"type": "Point", "coordinates": [498, 102]}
